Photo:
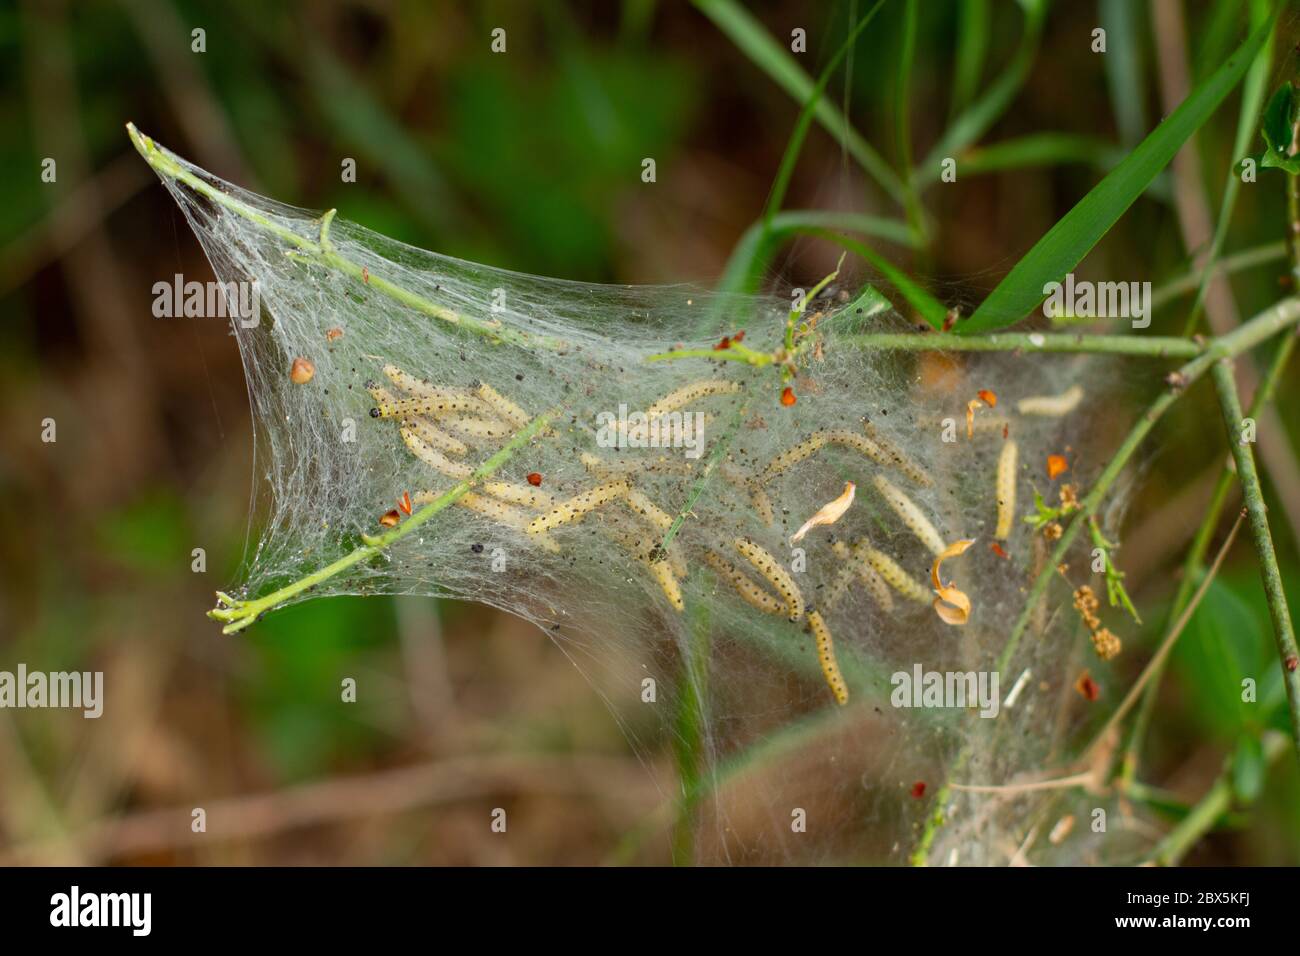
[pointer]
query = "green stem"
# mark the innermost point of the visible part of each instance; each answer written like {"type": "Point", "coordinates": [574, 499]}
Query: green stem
{"type": "Point", "coordinates": [1195, 559]}
{"type": "Point", "coordinates": [1271, 575]}
{"type": "Point", "coordinates": [1149, 346]}
{"type": "Point", "coordinates": [240, 614]}
{"type": "Point", "coordinates": [1246, 259]}
{"type": "Point", "coordinates": [322, 251]}
{"type": "Point", "coordinates": [1207, 812]}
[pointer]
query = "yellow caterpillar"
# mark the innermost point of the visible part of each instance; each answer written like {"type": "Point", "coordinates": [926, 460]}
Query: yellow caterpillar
{"type": "Point", "coordinates": [857, 565]}
{"type": "Point", "coordinates": [1006, 490]}
{"type": "Point", "coordinates": [901, 461]}
{"type": "Point", "coordinates": [1053, 406]}
{"type": "Point", "coordinates": [434, 436]}
{"type": "Point", "coordinates": [776, 575]}
{"type": "Point", "coordinates": [663, 573]}
{"type": "Point", "coordinates": [681, 397]}
{"type": "Point", "coordinates": [442, 404]}
{"type": "Point", "coordinates": [574, 508]}
{"type": "Point", "coordinates": [414, 440]}
{"type": "Point", "coordinates": [910, 514]}
{"type": "Point", "coordinates": [500, 404]}
{"type": "Point", "coordinates": [751, 592]}
{"type": "Point", "coordinates": [898, 579]}
{"type": "Point", "coordinates": [826, 657]}
{"type": "Point", "coordinates": [819, 439]}
{"type": "Point", "coordinates": [647, 509]}
{"type": "Point", "coordinates": [625, 466]}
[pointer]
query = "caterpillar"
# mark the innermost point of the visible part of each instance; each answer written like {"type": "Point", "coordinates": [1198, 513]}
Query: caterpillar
{"type": "Point", "coordinates": [574, 508]}
{"type": "Point", "coordinates": [776, 575]}
{"type": "Point", "coordinates": [818, 440]}
{"type": "Point", "coordinates": [1006, 490]}
{"type": "Point", "coordinates": [790, 457]}
{"type": "Point", "coordinates": [434, 436]}
{"type": "Point", "coordinates": [500, 404]}
{"type": "Point", "coordinates": [910, 514]}
{"type": "Point", "coordinates": [857, 565]}
{"type": "Point", "coordinates": [414, 441]}
{"type": "Point", "coordinates": [663, 573]}
{"type": "Point", "coordinates": [751, 592]}
{"type": "Point", "coordinates": [498, 511]}
{"type": "Point", "coordinates": [681, 397]}
{"type": "Point", "coordinates": [647, 509]}
{"type": "Point", "coordinates": [633, 540]}
{"type": "Point", "coordinates": [757, 496]}
{"type": "Point", "coordinates": [443, 403]}
{"type": "Point", "coordinates": [898, 579]}
{"type": "Point", "coordinates": [1053, 406]}
{"type": "Point", "coordinates": [904, 464]}
{"type": "Point", "coordinates": [826, 657]}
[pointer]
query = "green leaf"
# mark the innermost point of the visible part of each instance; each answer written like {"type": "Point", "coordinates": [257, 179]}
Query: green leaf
{"type": "Point", "coordinates": [1279, 119]}
{"type": "Point", "coordinates": [1066, 243]}
{"type": "Point", "coordinates": [926, 305]}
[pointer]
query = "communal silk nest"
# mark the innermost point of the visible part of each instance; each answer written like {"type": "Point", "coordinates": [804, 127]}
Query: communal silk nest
{"type": "Point", "coordinates": [647, 525]}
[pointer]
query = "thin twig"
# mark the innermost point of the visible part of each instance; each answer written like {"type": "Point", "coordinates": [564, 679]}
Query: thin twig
{"type": "Point", "coordinates": [1253, 493]}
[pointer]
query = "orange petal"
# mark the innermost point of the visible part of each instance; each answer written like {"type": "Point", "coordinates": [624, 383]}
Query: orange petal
{"type": "Point", "coordinates": [973, 404]}
{"type": "Point", "coordinates": [989, 398]}
{"type": "Point", "coordinates": [952, 605]}
{"type": "Point", "coordinates": [829, 513]}
{"type": "Point", "coordinates": [1056, 465]}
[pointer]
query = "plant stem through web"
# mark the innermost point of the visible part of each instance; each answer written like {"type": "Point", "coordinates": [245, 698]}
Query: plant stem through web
{"type": "Point", "coordinates": [240, 614]}
{"type": "Point", "coordinates": [322, 251]}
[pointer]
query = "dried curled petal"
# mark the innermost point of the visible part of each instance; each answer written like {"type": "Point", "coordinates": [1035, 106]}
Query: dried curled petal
{"type": "Point", "coordinates": [829, 513]}
{"type": "Point", "coordinates": [952, 605]}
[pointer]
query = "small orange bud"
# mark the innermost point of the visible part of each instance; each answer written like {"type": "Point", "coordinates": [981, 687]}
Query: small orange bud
{"type": "Point", "coordinates": [389, 519]}
{"type": "Point", "coordinates": [787, 396]}
{"type": "Point", "coordinates": [1056, 465]}
{"type": "Point", "coordinates": [534, 479]}
{"type": "Point", "coordinates": [302, 370]}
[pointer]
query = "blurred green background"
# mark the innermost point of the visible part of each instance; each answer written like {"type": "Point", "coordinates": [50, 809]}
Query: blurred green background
{"type": "Point", "coordinates": [529, 160]}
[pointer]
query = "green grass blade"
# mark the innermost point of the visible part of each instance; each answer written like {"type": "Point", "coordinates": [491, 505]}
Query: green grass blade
{"type": "Point", "coordinates": [779, 63]}
{"type": "Point", "coordinates": [984, 112]}
{"type": "Point", "coordinates": [972, 50]}
{"type": "Point", "coordinates": [1066, 243]}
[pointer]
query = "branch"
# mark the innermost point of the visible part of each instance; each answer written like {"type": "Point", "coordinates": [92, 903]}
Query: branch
{"type": "Point", "coordinates": [1253, 493]}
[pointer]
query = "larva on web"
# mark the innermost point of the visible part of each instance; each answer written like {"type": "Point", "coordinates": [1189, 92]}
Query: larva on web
{"type": "Point", "coordinates": [790, 457]}
{"type": "Point", "coordinates": [757, 496]}
{"type": "Point", "coordinates": [904, 464]}
{"type": "Point", "coordinates": [1006, 489]}
{"type": "Point", "coordinates": [517, 494]}
{"type": "Point", "coordinates": [633, 540]}
{"type": "Point", "coordinates": [856, 564]}
{"type": "Point", "coordinates": [655, 516]}
{"type": "Point", "coordinates": [1053, 406]}
{"type": "Point", "coordinates": [859, 443]}
{"type": "Point", "coordinates": [441, 405]}
{"type": "Point", "coordinates": [898, 579]}
{"type": "Point", "coordinates": [574, 508]}
{"type": "Point", "coordinates": [414, 441]}
{"type": "Point", "coordinates": [776, 575]}
{"type": "Point", "coordinates": [496, 510]}
{"type": "Point", "coordinates": [826, 657]}
{"type": "Point", "coordinates": [434, 436]}
{"type": "Point", "coordinates": [681, 397]}
{"type": "Point", "coordinates": [664, 575]}
{"type": "Point", "coordinates": [500, 404]}
{"type": "Point", "coordinates": [751, 592]}
{"type": "Point", "coordinates": [910, 514]}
